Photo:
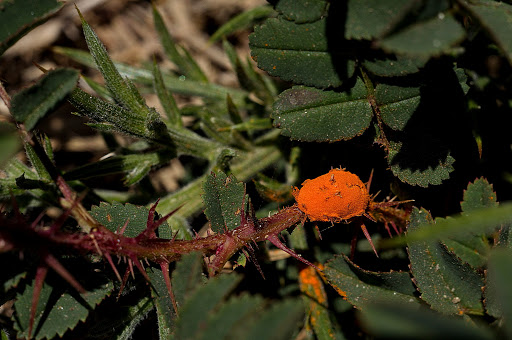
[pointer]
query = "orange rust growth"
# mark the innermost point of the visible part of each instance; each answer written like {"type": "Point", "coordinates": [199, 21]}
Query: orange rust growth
{"type": "Point", "coordinates": [312, 285]}
{"type": "Point", "coordinates": [336, 196]}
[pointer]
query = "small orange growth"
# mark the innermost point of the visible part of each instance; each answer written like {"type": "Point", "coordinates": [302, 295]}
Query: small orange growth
{"type": "Point", "coordinates": [311, 284]}
{"type": "Point", "coordinates": [336, 196]}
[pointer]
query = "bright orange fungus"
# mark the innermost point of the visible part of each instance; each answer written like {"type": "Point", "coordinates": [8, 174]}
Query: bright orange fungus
{"type": "Point", "coordinates": [335, 196]}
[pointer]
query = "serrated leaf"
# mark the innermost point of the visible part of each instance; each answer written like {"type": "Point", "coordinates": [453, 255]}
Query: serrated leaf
{"type": "Point", "coordinates": [114, 216]}
{"type": "Point", "coordinates": [496, 18]}
{"type": "Point", "coordinates": [431, 37]}
{"type": "Point", "coordinates": [397, 104]}
{"type": "Point", "coordinates": [498, 298]}
{"type": "Point", "coordinates": [368, 19]}
{"type": "Point", "coordinates": [473, 247]}
{"type": "Point", "coordinates": [235, 311]}
{"type": "Point", "coordinates": [58, 310]}
{"type": "Point", "coordinates": [300, 53]}
{"type": "Point", "coordinates": [417, 163]}
{"type": "Point", "coordinates": [478, 195]}
{"type": "Point", "coordinates": [18, 17]}
{"type": "Point", "coordinates": [360, 287]}
{"type": "Point", "coordinates": [394, 66]}
{"type": "Point", "coordinates": [446, 284]}
{"type": "Point", "coordinates": [397, 321]}
{"type": "Point", "coordinates": [279, 321]}
{"type": "Point", "coordinates": [301, 11]}
{"type": "Point", "coordinates": [33, 103]}
{"type": "Point", "coordinates": [223, 199]}
{"type": "Point", "coordinates": [200, 304]}
{"type": "Point", "coordinates": [244, 20]}
{"type": "Point", "coordinates": [309, 114]}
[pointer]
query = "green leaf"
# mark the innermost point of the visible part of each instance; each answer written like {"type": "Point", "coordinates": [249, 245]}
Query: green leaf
{"type": "Point", "coordinates": [417, 163]}
{"type": "Point", "coordinates": [368, 19]}
{"type": "Point", "coordinates": [398, 321]}
{"type": "Point", "coordinates": [135, 314]}
{"type": "Point", "coordinates": [394, 66]}
{"type": "Point", "coordinates": [300, 53]}
{"type": "Point", "coordinates": [397, 104]}
{"type": "Point", "coordinates": [473, 247]}
{"type": "Point", "coordinates": [164, 310]}
{"type": "Point", "coordinates": [478, 195]}
{"type": "Point", "coordinates": [185, 63]}
{"type": "Point", "coordinates": [201, 303]}
{"type": "Point", "coordinates": [280, 321]}
{"type": "Point", "coordinates": [309, 114]}
{"type": "Point", "coordinates": [431, 37]}
{"type": "Point", "coordinates": [172, 83]}
{"type": "Point", "coordinates": [35, 102]}
{"type": "Point", "coordinates": [498, 296]}
{"type": "Point", "coordinates": [187, 277]}
{"type": "Point", "coordinates": [114, 216]}
{"type": "Point", "coordinates": [57, 311]}
{"type": "Point", "coordinates": [301, 11]}
{"type": "Point", "coordinates": [166, 98]}
{"type": "Point", "coordinates": [244, 20]}
{"type": "Point", "coordinates": [121, 89]}
{"type": "Point", "coordinates": [36, 162]}
{"type": "Point", "coordinates": [447, 284]}
{"type": "Point", "coordinates": [18, 17]}
{"type": "Point", "coordinates": [484, 220]}
{"type": "Point", "coordinates": [119, 119]}
{"type": "Point", "coordinates": [359, 287]}
{"type": "Point", "coordinates": [223, 198]}
{"type": "Point", "coordinates": [135, 166]}
{"type": "Point", "coordinates": [496, 19]}
{"type": "Point", "coordinates": [229, 315]}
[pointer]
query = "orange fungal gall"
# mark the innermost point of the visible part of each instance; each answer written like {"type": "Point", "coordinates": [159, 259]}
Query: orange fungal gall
{"type": "Point", "coordinates": [336, 196]}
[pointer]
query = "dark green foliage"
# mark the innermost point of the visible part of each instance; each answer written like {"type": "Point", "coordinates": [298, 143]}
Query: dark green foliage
{"type": "Point", "coordinates": [418, 91]}
{"type": "Point", "coordinates": [309, 114]}
{"type": "Point", "coordinates": [33, 103]}
{"type": "Point", "coordinates": [223, 199]}
{"type": "Point", "coordinates": [360, 287]}
{"type": "Point", "coordinates": [58, 310]}
{"type": "Point", "coordinates": [18, 17]}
